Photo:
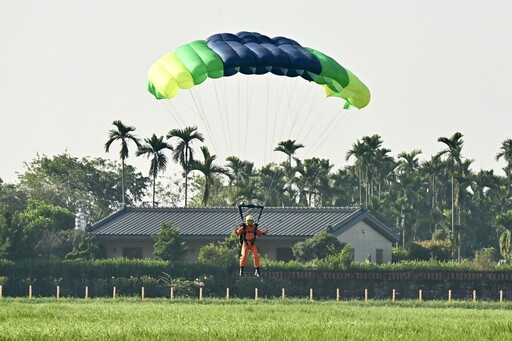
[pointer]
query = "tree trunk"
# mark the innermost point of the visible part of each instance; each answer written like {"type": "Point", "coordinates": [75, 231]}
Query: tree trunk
{"type": "Point", "coordinates": [154, 189]}
{"type": "Point", "coordinates": [122, 181]}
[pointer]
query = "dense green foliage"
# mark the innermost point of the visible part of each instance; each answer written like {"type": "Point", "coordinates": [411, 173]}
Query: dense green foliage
{"type": "Point", "coordinates": [129, 276]}
{"type": "Point", "coordinates": [222, 254]}
{"type": "Point", "coordinates": [441, 207]}
{"type": "Point", "coordinates": [319, 246]}
{"type": "Point", "coordinates": [126, 319]}
{"type": "Point", "coordinates": [169, 244]}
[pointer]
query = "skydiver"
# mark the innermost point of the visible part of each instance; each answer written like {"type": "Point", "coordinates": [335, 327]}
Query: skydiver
{"type": "Point", "coordinates": [248, 233]}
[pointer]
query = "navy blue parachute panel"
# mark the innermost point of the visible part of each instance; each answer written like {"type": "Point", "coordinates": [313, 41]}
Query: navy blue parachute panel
{"type": "Point", "coordinates": [218, 44]}
{"type": "Point", "coordinates": [301, 59]}
{"type": "Point", "coordinates": [254, 53]}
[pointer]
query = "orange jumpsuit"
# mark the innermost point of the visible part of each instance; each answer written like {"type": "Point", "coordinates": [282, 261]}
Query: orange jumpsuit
{"type": "Point", "coordinates": [249, 244]}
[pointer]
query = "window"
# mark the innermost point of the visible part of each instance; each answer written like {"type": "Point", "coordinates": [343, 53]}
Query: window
{"type": "Point", "coordinates": [284, 254]}
{"type": "Point", "coordinates": [132, 252]}
{"type": "Point", "coordinates": [379, 256]}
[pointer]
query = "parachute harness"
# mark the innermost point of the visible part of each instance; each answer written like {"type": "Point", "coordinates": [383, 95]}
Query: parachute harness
{"type": "Point", "coordinates": [243, 238]}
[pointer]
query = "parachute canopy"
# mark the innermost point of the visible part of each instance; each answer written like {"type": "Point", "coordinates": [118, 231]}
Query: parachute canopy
{"type": "Point", "coordinates": [251, 53]}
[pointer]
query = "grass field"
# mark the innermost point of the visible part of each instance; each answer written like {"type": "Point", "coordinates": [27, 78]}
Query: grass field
{"type": "Point", "coordinates": [216, 319]}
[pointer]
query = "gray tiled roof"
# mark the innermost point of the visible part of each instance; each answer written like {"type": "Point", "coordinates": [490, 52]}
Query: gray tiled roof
{"type": "Point", "coordinates": [197, 222]}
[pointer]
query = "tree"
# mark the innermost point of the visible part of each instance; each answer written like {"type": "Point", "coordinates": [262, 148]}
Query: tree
{"type": "Point", "coordinates": [154, 148]}
{"type": "Point", "coordinates": [289, 147]}
{"type": "Point", "coordinates": [39, 231]}
{"type": "Point", "coordinates": [84, 247]}
{"type": "Point", "coordinates": [224, 254]}
{"type": "Point", "coordinates": [208, 169]}
{"type": "Point", "coordinates": [87, 185]}
{"type": "Point", "coordinates": [505, 228]}
{"type": "Point", "coordinates": [169, 245]}
{"type": "Point", "coordinates": [314, 181]}
{"type": "Point", "coordinates": [124, 134]}
{"type": "Point", "coordinates": [270, 185]}
{"type": "Point", "coordinates": [241, 174]}
{"type": "Point", "coordinates": [359, 151]}
{"type": "Point", "coordinates": [368, 156]}
{"type": "Point", "coordinates": [454, 165]}
{"type": "Point", "coordinates": [506, 153]}
{"type": "Point", "coordinates": [319, 246]}
{"type": "Point", "coordinates": [183, 152]}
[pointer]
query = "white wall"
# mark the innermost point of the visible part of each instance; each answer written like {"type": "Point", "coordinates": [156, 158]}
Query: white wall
{"type": "Point", "coordinates": [366, 243]}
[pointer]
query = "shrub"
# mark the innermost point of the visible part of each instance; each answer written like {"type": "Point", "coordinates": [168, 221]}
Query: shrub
{"type": "Point", "coordinates": [321, 245]}
{"type": "Point", "coordinates": [339, 261]}
{"type": "Point", "coordinates": [399, 254]}
{"type": "Point", "coordinates": [440, 250]}
{"type": "Point", "coordinates": [169, 245]}
{"type": "Point", "coordinates": [223, 254]}
{"type": "Point", "coordinates": [485, 259]}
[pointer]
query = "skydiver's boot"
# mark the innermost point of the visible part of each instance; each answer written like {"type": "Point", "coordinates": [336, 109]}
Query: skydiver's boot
{"type": "Point", "coordinates": [257, 272]}
{"type": "Point", "coordinates": [241, 273]}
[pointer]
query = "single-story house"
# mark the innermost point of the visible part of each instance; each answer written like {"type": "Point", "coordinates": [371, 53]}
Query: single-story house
{"type": "Point", "coordinates": [129, 231]}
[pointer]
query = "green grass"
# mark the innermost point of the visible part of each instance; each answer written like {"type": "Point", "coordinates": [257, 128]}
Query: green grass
{"type": "Point", "coordinates": [216, 319]}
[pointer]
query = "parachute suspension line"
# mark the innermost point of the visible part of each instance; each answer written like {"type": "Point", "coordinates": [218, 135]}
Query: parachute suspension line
{"type": "Point", "coordinates": [311, 120]}
{"type": "Point", "coordinates": [279, 96]}
{"type": "Point", "coordinates": [289, 91]}
{"type": "Point", "coordinates": [331, 128]}
{"type": "Point", "coordinates": [204, 120]}
{"type": "Point", "coordinates": [237, 114]}
{"type": "Point", "coordinates": [303, 105]}
{"type": "Point", "coordinates": [248, 105]}
{"type": "Point", "coordinates": [169, 106]}
{"type": "Point", "coordinates": [306, 122]}
{"type": "Point", "coordinates": [306, 103]}
{"type": "Point", "coordinates": [226, 111]}
{"type": "Point", "coordinates": [266, 118]}
{"type": "Point", "coordinates": [222, 116]}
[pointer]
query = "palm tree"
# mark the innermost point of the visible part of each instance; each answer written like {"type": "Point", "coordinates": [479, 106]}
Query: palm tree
{"type": "Point", "coordinates": [368, 154]}
{"type": "Point", "coordinates": [288, 147]}
{"type": "Point", "coordinates": [359, 151]}
{"type": "Point", "coordinates": [124, 134]}
{"type": "Point", "coordinates": [270, 185]}
{"type": "Point", "coordinates": [314, 181]}
{"type": "Point", "coordinates": [432, 171]}
{"type": "Point", "coordinates": [154, 148]}
{"type": "Point", "coordinates": [506, 153]}
{"type": "Point", "coordinates": [208, 169]}
{"type": "Point", "coordinates": [454, 165]}
{"type": "Point", "coordinates": [183, 152]}
{"type": "Point", "coordinates": [504, 222]}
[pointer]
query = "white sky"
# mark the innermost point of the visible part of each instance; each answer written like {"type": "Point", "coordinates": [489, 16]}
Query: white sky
{"type": "Point", "coordinates": [70, 68]}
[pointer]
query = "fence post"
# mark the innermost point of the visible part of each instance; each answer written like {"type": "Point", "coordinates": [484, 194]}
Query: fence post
{"type": "Point", "coordinates": [30, 291]}
{"type": "Point", "coordinates": [142, 293]}
{"type": "Point", "coordinates": [255, 294]}
{"type": "Point", "coordinates": [337, 294]}
{"type": "Point", "coordinates": [1, 292]}
{"type": "Point", "coordinates": [420, 296]}
{"type": "Point", "coordinates": [366, 295]}
{"type": "Point", "coordinates": [114, 293]}
{"type": "Point", "coordinates": [227, 294]}
{"type": "Point", "coordinates": [86, 293]}
{"type": "Point", "coordinates": [474, 295]}
{"type": "Point", "coordinates": [282, 294]}
{"type": "Point", "coordinates": [311, 294]}
{"type": "Point", "coordinates": [449, 296]}
{"type": "Point", "coordinates": [172, 294]}
{"type": "Point", "coordinates": [501, 294]}
{"type": "Point", "coordinates": [58, 292]}
{"type": "Point", "coordinates": [393, 296]}
{"type": "Point", "coordinates": [200, 294]}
